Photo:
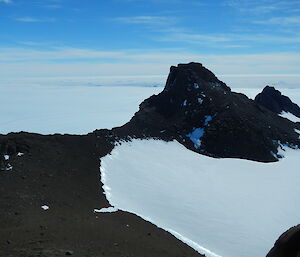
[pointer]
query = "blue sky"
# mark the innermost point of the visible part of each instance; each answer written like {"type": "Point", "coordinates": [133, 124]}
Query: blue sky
{"type": "Point", "coordinates": [136, 37]}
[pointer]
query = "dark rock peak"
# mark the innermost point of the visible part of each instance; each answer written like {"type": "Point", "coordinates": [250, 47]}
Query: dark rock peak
{"type": "Point", "coordinates": [194, 75]}
{"type": "Point", "coordinates": [201, 112]}
{"type": "Point", "coordinates": [273, 100]}
{"type": "Point", "coordinates": [188, 92]}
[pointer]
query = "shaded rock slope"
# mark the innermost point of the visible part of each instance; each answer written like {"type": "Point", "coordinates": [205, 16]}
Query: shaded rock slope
{"type": "Point", "coordinates": [202, 113]}
{"type": "Point", "coordinates": [288, 244]}
{"type": "Point", "coordinates": [273, 100]}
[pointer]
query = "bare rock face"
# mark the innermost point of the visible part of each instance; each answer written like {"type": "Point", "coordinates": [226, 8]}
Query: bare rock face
{"type": "Point", "coordinates": [202, 113]}
{"type": "Point", "coordinates": [273, 100]}
{"type": "Point", "coordinates": [288, 244]}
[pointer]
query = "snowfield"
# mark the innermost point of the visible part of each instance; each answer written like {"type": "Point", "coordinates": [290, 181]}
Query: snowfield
{"type": "Point", "coordinates": [71, 110]}
{"type": "Point", "coordinates": [220, 207]}
{"type": "Point", "coordinates": [47, 109]}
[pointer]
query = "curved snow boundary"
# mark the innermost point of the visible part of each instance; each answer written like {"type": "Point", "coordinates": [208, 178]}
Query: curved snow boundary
{"type": "Point", "coordinates": [191, 243]}
{"type": "Point", "coordinates": [200, 249]}
{"type": "Point", "coordinates": [107, 190]}
{"type": "Point", "coordinates": [219, 207]}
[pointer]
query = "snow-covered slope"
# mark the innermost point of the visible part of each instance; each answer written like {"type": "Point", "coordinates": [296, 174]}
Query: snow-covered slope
{"type": "Point", "coordinates": [220, 207]}
{"type": "Point", "coordinates": [72, 110]}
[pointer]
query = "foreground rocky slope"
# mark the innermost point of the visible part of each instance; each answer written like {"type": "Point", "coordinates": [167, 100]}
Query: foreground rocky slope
{"type": "Point", "coordinates": [62, 172]}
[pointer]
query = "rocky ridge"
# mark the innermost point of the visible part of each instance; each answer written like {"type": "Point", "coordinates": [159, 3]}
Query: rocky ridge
{"type": "Point", "coordinates": [202, 113]}
{"type": "Point", "coordinates": [273, 100]}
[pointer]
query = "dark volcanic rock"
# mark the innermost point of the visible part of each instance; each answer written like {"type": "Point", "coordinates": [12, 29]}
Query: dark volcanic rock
{"type": "Point", "coordinates": [201, 112]}
{"type": "Point", "coordinates": [273, 100]}
{"type": "Point", "coordinates": [288, 244]}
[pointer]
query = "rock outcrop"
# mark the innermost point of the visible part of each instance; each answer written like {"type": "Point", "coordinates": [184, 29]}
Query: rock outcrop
{"type": "Point", "coordinates": [11, 147]}
{"type": "Point", "coordinates": [202, 113]}
{"type": "Point", "coordinates": [288, 244]}
{"type": "Point", "coordinates": [273, 100]}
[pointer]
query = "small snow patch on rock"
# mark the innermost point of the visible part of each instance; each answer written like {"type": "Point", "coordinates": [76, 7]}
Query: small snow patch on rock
{"type": "Point", "coordinates": [105, 210]}
{"type": "Point", "coordinates": [9, 167]}
{"type": "Point", "coordinates": [197, 133]}
{"type": "Point", "coordinates": [208, 118]}
{"type": "Point", "coordinates": [195, 137]}
{"type": "Point", "coordinates": [298, 132]}
{"type": "Point", "coordinates": [45, 207]}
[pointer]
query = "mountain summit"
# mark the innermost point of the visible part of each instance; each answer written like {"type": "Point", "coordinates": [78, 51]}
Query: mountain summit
{"type": "Point", "coordinates": [202, 113]}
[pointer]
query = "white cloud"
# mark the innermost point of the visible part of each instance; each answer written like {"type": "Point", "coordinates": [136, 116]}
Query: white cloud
{"type": "Point", "coordinates": [33, 19]}
{"type": "Point", "coordinates": [6, 1]}
{"type": "Point", "coordinates": [18, 62]}
{"type": "Point", "coordinates": [285, 21]}
{"type": "Point", "coordinates": [228, 40]}
{"type": "Point", "coordinates": [194, 37]}
{"type": "Point", "coordinates": [264, 6]}
{"type": "Point", "coordinates": [146, 20]}
{"type": "Point", "coordinates": [23, 54]}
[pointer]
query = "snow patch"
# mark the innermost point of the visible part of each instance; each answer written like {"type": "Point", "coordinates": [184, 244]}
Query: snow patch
{"type": "Point", "coordinates": [20, 154]}
{"type": "Point", "coordinates": [289, 116]}
{"type": "Point", "coordinates": [200, 100]}
{"type": "Point", "coordinates": [219, 210]}
{"type": "Point", "coordinates": [6, 157]}
{"type": "Point", "coordinates": [196, 135]}
{"type": "Point", "coordinates": [45, 207]}
{"type": "Point", "coordinates": [184, 103]}
{"type": "Point", "coordinates": [106, 210]}
{"type": "Point", "coordinates": [297, 131]}
{"type": "Point", "coordinates": [208, 118]}
{"type": "Point", "coordinates": [196, 85]}
{"type": "Point", "coordinates": [9, 167]}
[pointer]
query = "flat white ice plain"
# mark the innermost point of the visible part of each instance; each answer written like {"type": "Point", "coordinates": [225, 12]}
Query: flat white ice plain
{"type": "Point", "coordinates": [72, 110]}
{"type": "Point", "coordinates": [76, 107]}
{"type": "Point", "coordinates": [220, 207]}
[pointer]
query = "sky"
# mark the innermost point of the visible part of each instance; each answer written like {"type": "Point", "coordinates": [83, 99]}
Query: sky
{"type": "Point", "coordinates": [72, 38]}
